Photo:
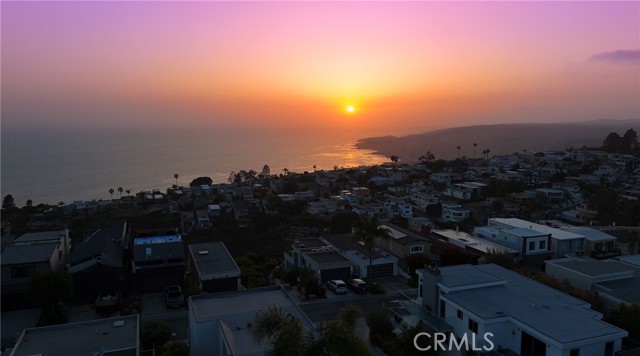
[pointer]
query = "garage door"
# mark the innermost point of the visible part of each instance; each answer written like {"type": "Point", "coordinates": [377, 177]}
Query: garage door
{"type": "Point", "coordinates": [343, 273]}
{"type": "Point", "coordinates": [380, 270]}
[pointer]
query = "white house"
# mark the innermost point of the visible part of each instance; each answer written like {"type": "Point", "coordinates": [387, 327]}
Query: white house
{"type": "Point", "coordinates": [453, 212]}
{"type": "Point", "coordinates": [523, 316]}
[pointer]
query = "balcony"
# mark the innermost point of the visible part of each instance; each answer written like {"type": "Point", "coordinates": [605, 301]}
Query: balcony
{"type": "Point", "coordinates": [604, 254]}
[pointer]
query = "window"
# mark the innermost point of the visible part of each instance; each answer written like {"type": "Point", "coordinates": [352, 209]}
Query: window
{"type": "Point", "coordinates": [543, 245]}
{"type": "Point", "coordinates": [416, 249]}
{"type": "Point", "coordinates": [575, 352]}
{"type": "Point", "coordinates": [443, 308]}
{"type": "Point", "coordinates": [473, 326]}
{"type": "Point", "coordinates": [532, 245]}
{"type": "Point", "coordinates": [460, 315]}
{"type": "Point", "coordinates": [22, 271]}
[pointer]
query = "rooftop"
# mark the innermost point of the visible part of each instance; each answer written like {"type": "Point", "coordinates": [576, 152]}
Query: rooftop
{"type": "Point", "coordinates": [556, 315]}
{"type": "Point", "coordinates": [591, 267]}
{"type": "Point", "coordinates": [213, 260]}
{"type": "Point", "coordinates": [519, 223]}
{"type": "Point", "coordinates": [28, 253]}
{"type": "Point", "coordinates": [84, 338]}
{"type": "Point", "coordinates": [156, 239]}
{"type": "Point", "coordinates": [590, 234]}
{"type": "Point", "coordinates": [40, 236]}
{"type": "Point", "coordinates": [237, 310]}
{"type": "Point", "coordinates": [312, 242]}
{"type": "Point", "coordinates": [475, 243]}
{"type": "Point", "coordinates": [327, 257]}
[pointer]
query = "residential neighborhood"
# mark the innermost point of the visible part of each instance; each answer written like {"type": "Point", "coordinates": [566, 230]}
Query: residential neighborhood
{"type": "Point", "coordinates": [541, 249]}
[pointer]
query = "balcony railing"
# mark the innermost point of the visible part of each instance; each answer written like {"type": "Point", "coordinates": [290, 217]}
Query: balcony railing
{"type": "Point", "coordinates": [605, 254]}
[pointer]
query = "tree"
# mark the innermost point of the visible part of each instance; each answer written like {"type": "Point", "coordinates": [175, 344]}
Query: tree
{"type": "Point", "coordinates": [366, 230]}
{"type": "Point", "coordinates": [630, 138]}
{"type": "Point", "coordinates": [120, 190]}
{"type": "Point", "coordinates": [8, 202]}
{"type": "Point", "coordinates": [474, 150]}
{"type": "Point", "coordinates": [627, 317]}
{"type": "Point", "coordinates": [458, 151]}
{"type": "Point", "coordinates": [427, 157]}
{"type": "Point", "coordinates": [155, 334]}
{"type": "Point", "coordinates": [29, 203]}
{"type": "Point", "coordinates": [176, 176]}
{"type": "Point", "coordinates": [48, 289]}
{"type": "Point", "coordinates": [111, 191]}
{"type": "Point", "coordinates": [499, 257]}
{"type": "Point", "coordinates": [201, 181]}
{"type": "Point", "coordinates": [283, 331]}
{"type": "Point", "coordinates": [286, 335]}
{"type": "Point", "coordinates": [266, 171]}
{"type": "Point", "coordinates": [394, 159]}
{"type": "Point", "coordinates": [613, 142]}
{"type": "Point", "coordinates": [128, 192]}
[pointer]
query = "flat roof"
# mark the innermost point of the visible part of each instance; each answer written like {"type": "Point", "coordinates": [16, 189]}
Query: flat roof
{"type": "Point", "coordinates": [28, 253]}
{"type": "Point", "coordinates": [237, 310]}
{"type": "Point", "coordinates": [40, 236]}
{"type": "Point", "coordinates": [557, 315]}
{"type": "Point", "coordinates": [592, 267]}
{"type": "Point", "coordinates": [462, 275]}
{"type": "Point", "coordinates": [556, 233]}
{"type": "Point", "coordinates": [590, 234]}
{"type": "Point", "coordinates": [472, 241]}
{"type": "Point", "coordinates": [311, 242]}
{"type": "Point", "coordinates": [213, 260]}
{"type": "Point", "coordinates": [326, 257]}
{"type": "Point", "coordinates": [84, 338]}
{"type": "Point", "coordinates": [395, 234]}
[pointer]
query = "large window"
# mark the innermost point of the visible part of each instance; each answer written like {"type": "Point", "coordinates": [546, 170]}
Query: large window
{"type": "Point", "coordinates": [543, 245]}
{"type": "Point", "coordinates": [532, 245]}
{"type": "Point", "coordinates": [416, 249]}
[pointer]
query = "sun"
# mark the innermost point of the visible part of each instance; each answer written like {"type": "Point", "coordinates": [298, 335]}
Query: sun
{"type": "Point", "coordinates": [350, 108]}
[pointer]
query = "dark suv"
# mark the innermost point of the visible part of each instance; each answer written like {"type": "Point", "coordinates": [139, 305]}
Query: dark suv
{"type": "Point", "coordinates": [173, 297]}
{"type": "Point", "coordinates": [357, 285]}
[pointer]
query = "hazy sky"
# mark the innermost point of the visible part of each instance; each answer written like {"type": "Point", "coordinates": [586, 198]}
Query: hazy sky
{"type": "Point", "coordinates": [404, 66]}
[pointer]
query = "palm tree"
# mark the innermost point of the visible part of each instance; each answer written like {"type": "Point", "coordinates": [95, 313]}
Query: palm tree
{"type": "Point", "coordinates": [287, 337]}
{"type": "Point", "coordinates": [366, 230]}
{"type": "Point", "coordinates": [128, 192]}
{"type": "Point", "coordinates": [120, 190]}
{"type": "Point", "coordinates": [176, 177]}
{"type": "Point", "coordinates": [474, 150]}
{"type": "Point", "coordinates": [286, 171]}
{"type": "Point", "coordinates": [458, 151]}
{"type": "Point", "coordinates": [111, 191]}
{"type": "Point", "coordinates": [284, 332]}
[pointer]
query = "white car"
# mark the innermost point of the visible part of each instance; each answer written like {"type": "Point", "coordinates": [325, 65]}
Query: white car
{"type": "Point", "coordinates": [337, 286]}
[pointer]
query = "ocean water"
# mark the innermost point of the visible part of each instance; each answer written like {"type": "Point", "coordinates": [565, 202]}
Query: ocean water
{"type": "Point", "coordinates": [63, 164]}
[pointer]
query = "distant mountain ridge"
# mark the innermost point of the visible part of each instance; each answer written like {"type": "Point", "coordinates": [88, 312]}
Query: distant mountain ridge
{"type": "Point", "coordinates": [499, 138]}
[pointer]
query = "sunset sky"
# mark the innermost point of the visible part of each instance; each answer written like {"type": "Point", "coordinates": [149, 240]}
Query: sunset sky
{"type": "Point", "coordinates": [403, 66]}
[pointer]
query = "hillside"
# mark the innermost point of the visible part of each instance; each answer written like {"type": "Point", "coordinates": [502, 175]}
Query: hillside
{"type": "Point", "coordinates": [499, 138]}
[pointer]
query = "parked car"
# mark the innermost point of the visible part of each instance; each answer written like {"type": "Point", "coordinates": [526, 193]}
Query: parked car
{"type": "Point", "coordinates": [357, 285]}
{"type": "Point", "coordinates": [337, 286]}
{"type": "Point", "coordinates": [173, 297]}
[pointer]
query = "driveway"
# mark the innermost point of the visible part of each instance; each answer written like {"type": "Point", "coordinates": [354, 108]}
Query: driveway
{"type": "Point", "coordinates": [154, 309]}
